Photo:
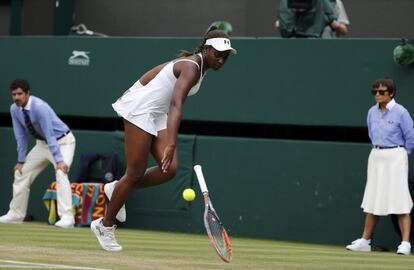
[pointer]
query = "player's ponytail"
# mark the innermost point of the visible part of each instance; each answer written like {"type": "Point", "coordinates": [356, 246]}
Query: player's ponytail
{"type": "Point", "coordinates": [212, 33]}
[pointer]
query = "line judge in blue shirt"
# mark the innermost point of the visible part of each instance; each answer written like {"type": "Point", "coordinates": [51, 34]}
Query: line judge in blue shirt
{"type": "Point", "coordinates": [54, 143]}
{"type": "Point", "coordinates": [391, 131]}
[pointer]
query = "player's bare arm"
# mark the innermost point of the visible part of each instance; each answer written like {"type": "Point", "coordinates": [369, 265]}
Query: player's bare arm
{"type": "Point", "coordinates": [187, 76]}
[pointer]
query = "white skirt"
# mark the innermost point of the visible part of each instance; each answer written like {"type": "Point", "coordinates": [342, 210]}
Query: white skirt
{"type": "Point", "coordinates": [149, 122]}
{"type": "Point", "coordinates": [386, 190]}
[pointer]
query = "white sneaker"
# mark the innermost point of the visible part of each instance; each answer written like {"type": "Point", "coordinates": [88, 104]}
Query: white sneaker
{"type": "Point", "coordinates": [360, 244]}
{"type": "Point", "coordinates": [105, 235]}
{"type": "Point", "coordinates": [109, 188]}
{"type": "Point", "coordinates": [404, 248]}
{"type": "Point", "coordinates": [66, 222]}
{"type": "Point", "coordinates": [9, 219]}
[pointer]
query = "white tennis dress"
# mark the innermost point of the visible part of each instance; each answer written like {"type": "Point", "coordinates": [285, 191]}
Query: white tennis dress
{"type": "Point", "coordinates": [147, 106]}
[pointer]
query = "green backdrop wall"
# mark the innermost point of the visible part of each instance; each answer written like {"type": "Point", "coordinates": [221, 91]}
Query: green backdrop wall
{"type": "Point", "coordinates": [283, 81]}
{"type": "Point", "coordinates": [278, 189]}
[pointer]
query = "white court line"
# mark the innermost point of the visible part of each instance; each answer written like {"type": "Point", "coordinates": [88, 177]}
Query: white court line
{"type": "Point", "coordinates": [23, 267]}
{"type": "Point", "coordinates": [43, 266]}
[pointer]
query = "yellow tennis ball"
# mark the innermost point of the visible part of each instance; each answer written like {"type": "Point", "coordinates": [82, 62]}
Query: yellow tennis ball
{"type": "Point", "coordinates": [189, 194]}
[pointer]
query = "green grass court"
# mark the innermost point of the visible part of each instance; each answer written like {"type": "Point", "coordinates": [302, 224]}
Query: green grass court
{"type": "Point", "coordinates": [40, 243]}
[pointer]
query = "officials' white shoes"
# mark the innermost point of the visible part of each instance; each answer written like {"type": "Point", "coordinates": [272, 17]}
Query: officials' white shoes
{"type": "Point", "coordinates": [105, 235]}
{"type": "Point", "coordinates": [360, 244]}
{"type": "Point", "coordinates": [109, 189]}
{"type": "Point", "coordinates": [404, 248]}
{"type": "Point", "coordinates": [10, 219]}
{"type": "Point", "coordinates": [66, 222]}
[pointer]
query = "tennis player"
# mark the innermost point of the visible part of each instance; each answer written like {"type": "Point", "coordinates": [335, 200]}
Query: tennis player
{"type": "Point", "coordinates": [152, 116]}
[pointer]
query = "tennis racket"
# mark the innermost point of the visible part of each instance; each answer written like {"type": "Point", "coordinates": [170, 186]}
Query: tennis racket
{"type": "Point", "coordinates": [215, 230]}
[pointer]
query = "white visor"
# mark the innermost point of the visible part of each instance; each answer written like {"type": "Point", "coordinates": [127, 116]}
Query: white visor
{"type": "Point", "coordinates": [220, 44]}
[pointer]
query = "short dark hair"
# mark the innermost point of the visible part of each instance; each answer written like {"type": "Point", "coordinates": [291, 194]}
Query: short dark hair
{"type": "Point", "coordinates": [20, 83]}
{"type": "Point", "coordinates": [387, 82]}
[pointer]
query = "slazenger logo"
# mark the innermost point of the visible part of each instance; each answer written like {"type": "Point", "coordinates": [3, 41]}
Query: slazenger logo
{"type": "Point", "coordinates": [79, 58]}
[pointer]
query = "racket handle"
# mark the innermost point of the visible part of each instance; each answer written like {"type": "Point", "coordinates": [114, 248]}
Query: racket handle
{"type": "Point", "coordinates": [200, 178]}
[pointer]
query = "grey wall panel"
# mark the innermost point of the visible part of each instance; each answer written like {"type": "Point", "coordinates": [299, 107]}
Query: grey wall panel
{"type": "Point", "coordinates": [158, 18]}
{"type": "Point", "coordinates": [381, 18]}
{"type": "Point", "coordinates": [5, 18]}
{"type": "Point", "coordinates": [369, 18]}
{"type": "Point", "coordinates": [37, 17]}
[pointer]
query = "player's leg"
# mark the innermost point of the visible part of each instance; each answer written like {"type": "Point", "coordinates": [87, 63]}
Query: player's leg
{"type": "Point", "coordinates": [137, 148]}
{"type": "Point", "coordinates": [154, 175]}
{"type": "Point", "coordinates": [35, 163]}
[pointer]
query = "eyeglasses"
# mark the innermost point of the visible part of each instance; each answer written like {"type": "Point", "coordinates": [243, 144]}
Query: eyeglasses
{"type": "Point", "coordinates": [381, 92]}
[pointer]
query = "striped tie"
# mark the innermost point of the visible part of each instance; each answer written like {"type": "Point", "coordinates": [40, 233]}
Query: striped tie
{"type": "Point", "coordinates": [30, 126]}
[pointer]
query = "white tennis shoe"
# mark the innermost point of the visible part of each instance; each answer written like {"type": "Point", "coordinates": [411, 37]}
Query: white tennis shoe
{"type": "Point", "coordinates": [109, 188]}
{"type": "Point", "coordinates": [105, 235]}
{"type": "Point", "coordinates": [404, 248]}
{"type": "Point", "coordinates": [360, 244]}
{"type": "Point", "coordinates": [10, 219]}
{"type": "Point", "coordinates": [66, 222]}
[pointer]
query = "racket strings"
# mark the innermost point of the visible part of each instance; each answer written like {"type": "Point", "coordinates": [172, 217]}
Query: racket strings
{"type": "Point", "coordinates": [219, 235]}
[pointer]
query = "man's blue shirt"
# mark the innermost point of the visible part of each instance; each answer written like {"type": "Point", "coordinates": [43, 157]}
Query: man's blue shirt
{"type": "Point", "coordinates": [45, 122]}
